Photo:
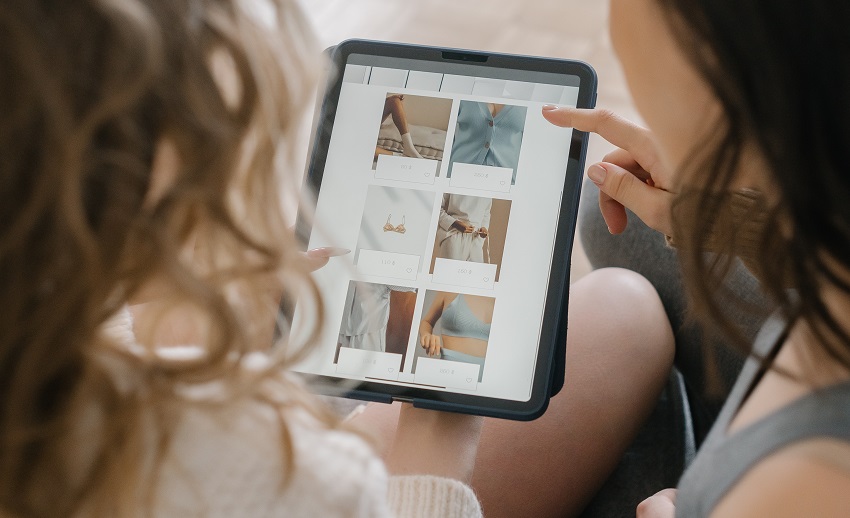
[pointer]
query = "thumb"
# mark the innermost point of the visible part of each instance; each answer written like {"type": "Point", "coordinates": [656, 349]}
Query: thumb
{"type": "Point", "coordinates": [650, 204]}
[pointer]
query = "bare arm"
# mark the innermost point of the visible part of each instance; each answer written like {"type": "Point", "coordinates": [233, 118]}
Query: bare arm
{"type": "Point", "coordinates": [429, 341]}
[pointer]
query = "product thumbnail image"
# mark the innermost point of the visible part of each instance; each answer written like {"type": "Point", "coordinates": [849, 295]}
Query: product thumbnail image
{"type": "Point", "coordinates": [413, 126]}
{"type": "Point", "coordinates": [488, 134]}
{"type": "Point", "coordinates": [455, 327]}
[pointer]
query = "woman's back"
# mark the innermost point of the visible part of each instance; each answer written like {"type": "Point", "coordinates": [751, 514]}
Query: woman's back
{"type": "Point", "coordinates": [255, 452]}
{"type": "Point", "coordinates": [231, 461]}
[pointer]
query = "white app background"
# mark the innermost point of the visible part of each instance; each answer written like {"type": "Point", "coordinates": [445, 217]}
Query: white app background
{"type": "Point", "coordinates": [355, 204]}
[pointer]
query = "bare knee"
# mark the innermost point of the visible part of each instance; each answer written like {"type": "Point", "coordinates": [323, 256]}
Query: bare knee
{"type": "Point", "coordinates": [629, 309]}
{"type": "Point", "coordinates": [393, 103]}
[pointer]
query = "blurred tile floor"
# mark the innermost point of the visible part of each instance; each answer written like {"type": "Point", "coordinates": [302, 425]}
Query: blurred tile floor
{"type": "Point", "coordinates": [575, 29]}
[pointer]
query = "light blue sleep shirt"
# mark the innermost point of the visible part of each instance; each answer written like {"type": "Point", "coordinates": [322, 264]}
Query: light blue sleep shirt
{"type": "Point", "coordinates": [482, 139]}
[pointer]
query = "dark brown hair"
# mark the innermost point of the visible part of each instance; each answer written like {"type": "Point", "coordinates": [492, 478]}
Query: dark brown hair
{"type": "Point", "coordinates": [93, 91]}
{"type": "Point", "coordinates": [779, 71]}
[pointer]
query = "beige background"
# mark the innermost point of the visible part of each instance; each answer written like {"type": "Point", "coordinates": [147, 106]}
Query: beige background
{"type": "Point", "coordinates": [575, 29]}
{"type": "Point", "coordinates": [433, 112]}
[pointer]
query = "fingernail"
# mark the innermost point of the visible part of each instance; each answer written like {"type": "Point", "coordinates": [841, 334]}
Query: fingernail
{"type": "Point", "coordinates": [597, 174]}
{"type": "Point", "coordinates": [326, 251]}
{"type": "Point", "coordinates": [549, 107]}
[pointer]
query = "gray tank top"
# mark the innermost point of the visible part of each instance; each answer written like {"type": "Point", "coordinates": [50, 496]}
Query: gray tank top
{"type": "Point", "coordinates": [724, 459]}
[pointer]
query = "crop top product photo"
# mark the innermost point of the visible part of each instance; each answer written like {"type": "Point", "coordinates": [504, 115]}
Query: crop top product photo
{"type": "Point", "coordinates": [458, 320]}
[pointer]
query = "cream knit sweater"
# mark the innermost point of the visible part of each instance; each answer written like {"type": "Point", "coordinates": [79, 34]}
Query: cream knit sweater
{"type": "Point", "coordinates": [230, 462]}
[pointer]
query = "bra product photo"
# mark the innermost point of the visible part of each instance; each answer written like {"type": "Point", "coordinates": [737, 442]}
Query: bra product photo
{"type": "Point", "coordinates": [388, 227]}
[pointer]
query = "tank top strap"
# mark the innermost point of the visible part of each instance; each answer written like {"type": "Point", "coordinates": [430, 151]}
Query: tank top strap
{"type": "Point", "coordinates": [822, 414]}
{"type": "Point", "coordinates": [769, 338]}
{"type": "Point", "coordinates": [724, 459]}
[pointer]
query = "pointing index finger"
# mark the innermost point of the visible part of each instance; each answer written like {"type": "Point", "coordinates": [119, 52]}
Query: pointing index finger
{"type": "Point", "coordinates": [621, 132]}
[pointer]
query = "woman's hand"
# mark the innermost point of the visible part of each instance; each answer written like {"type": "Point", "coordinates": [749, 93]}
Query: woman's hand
{"type": "Point", "coordinates": [318, 257]}
{"type": "Point", "coordinates": [660, 505]}
{"type": "Point", "coordinates": [428, 442]}
{"type": "Point", "coordinates": [483, 232]}
{"type": "Point", "coordinates": [431, 343]}
{"type": "Point", "coordinates": [463, 226]}
{"type": "Point", "coordinates": [631, 177]}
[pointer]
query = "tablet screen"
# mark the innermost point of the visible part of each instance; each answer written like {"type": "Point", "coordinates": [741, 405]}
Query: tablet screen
{"type": "Point", "coordinates": [445, 182]}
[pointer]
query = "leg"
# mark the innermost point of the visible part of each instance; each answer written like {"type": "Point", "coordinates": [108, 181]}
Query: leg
{"type": "Point", "coordinates": [371, 341]}
{"type": "Point", "coordinates": [476, 249]}
{"type": "Point", "coordinates": [619, 352]}
{"type": "Point", "coordinates": [395, 107]}
{"type": "Point", "coordinates": [388, 108]}
{"type": "Point", "coordinates": [643, 250]}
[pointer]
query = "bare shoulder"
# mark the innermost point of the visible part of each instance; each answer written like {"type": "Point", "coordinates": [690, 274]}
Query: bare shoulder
{"type": "Point", "coordinates": [810, 478]}
{"type": "Point", "coordinates": [444, 298]}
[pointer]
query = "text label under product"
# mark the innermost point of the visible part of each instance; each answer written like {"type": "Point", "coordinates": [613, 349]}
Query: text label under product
{"type": "Point", "coordinates": [406, 169]}
{"type": "Point", "coordinates": [388, 264]}
{"type": "Point", "coordinates": [444, 373]}
{"type": "Point", "coordinates": [464, 273]}
{"type": "Point", "coordinates": [373, 364]}
{"type": "Point", "coordinates": [485, 178]}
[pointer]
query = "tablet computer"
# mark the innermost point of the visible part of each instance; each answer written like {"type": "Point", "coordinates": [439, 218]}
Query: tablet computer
{"type": "Point", "coordinates": [458, 200]}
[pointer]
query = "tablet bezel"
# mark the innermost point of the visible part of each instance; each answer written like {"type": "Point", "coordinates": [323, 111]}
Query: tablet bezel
{"type": "Point", "coordinates": [549, 366]}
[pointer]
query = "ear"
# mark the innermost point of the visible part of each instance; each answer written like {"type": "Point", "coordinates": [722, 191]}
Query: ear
{"type": "Point", "coordinates": [166, 163]}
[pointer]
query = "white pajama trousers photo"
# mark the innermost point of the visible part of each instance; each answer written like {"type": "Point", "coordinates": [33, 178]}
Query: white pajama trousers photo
{"type": "Point", "coordinates": [463, 247]}
{"type": "Point", "coordinates": [374, 341]}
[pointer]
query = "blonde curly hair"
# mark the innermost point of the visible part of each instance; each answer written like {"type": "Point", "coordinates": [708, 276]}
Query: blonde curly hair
{"type": "Point", "coordinates": [93, 92]}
